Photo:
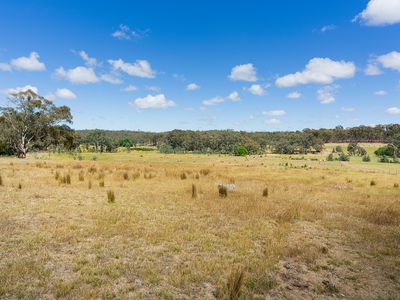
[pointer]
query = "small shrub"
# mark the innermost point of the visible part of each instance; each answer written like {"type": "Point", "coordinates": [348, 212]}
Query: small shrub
{"type": "Point", "coordinates": [396, 185]}
{"type": "Point", "coordinates": [81, 176]}
{"type": "Point", "coordinates": [240, 151]}
{"type": "Point", "coordinates": [338, 149]}
{"type": "Point", "coordinates": [372, 183]}
{"type": "Point", "coordinates": [101, 183]}
{"type": "Point", "coordinates": [344, 157]}
{"type": "Point", "coordinates": [222, 191]}
{"type": "Point", "coordinates": [183, 176]}
{"type": "Point", "coordinates": [194, 191]}
{"type": "Point", "coordinates": [110, 196]}
{"type": "Point", "coordinates": [265, 192]}
{"type": "Point", "coordinates": [366, 158]}
{"type": "Point", "coordinates": [94, 157]}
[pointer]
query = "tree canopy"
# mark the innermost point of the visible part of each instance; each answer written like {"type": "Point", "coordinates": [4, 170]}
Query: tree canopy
{"type": "Point", "coordinates": [31, 121]}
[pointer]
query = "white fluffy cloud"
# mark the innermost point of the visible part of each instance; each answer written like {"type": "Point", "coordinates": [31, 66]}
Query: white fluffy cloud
{"type": "Point", "coordinates": [153, 101]}
{"type": "Point", "coordinates": [130, 88]}
{"type": "Point", "coordinates": [273, 121]}
{"type": "Point", "coordinates": [65, 94]}
{"type": "Point", "coordinates": [390, 60]}
{"type": "Point", "coordinates": [5, 67]}
{"type": "Point", "coordinates": [380, 12]}
{"type": "Point", "coordinates": [141, 68]}
{"type": "Point", "coordinates": [110, 79]}
{"type": "Point", "coordinates": [125, 33]}
{"type": "Point", "coordinates": [192, 86]}
{"type": "Point", "coordinates": [257, 90]}
{"type": "Point", "coordinates": [23, 89]}
{"type": "Point", "coordinates": [274, 113]}
{"type": "Point", "coordinates": [294, 95]}
{"type": "Point", "coordinates": [213, 101]}
{"type": "Point", "coordinates": [319, 70]}
{"type": "Point", "coordinates": [328, 28]}
{"type": "Point", "coordinates": [245, 72]}
{"type": "Point", "coordinates": [326, 95]}
{"type": "Point", "coordinates": [90, 61]}
{"type": "Point", "coordinates": [80, 75]}
{"type": "Point", "coordinates": [393, 111]}
{"type": "Point", "coordinates": [30, 63]}
{"type": "Point", "coordinates": [380, 93]}
{"type": "Point", "coordinates": [234, 96]}
{"type": "Point", "coordinates": [348, 109]}
{"type": "Point", "coordinates": [372, 69]}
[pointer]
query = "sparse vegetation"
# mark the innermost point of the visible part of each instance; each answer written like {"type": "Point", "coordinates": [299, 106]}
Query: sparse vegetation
{"type": "Point", "coordinates": [110, 196]}
{"type": "Point", "coordinates": [180, 248]}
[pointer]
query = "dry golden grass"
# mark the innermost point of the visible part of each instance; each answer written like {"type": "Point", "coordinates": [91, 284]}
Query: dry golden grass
{"type": "Point", "coordinates": [162, 237]}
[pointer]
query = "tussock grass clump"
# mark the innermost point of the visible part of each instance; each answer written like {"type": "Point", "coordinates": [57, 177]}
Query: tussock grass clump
{"type": "Point", "coordinates": [183, 176]}
{"type": "Point", "coordinates": [65, 179]}
{"type": "Point", "coordinates": [205, 172]}
{"type": "Point", "coordinates": [372, 183]}
{"type": "Point", "coordinates": [222, 191]}
{"type": "Point", "coordinates": [90, 185]}
{"type": "Point", "coordinates": [232, 290]}
{"type": "Point", "coordinates": [136, 175]}
{"type": "Point", "coordinates": [265, 192]}
{"type": "Point", "coordinates": [92, 170]}
{"type": "Point", "coordinates": [19, 186]}
{"type": "Point", "coordinates": [197, 176]}
{"type": "Point", "coordinates": [149, 175]}
{"type": "Point", "coordinates": [396, 185]}
{"type": "Point", "coordinates": [57, 175]}
{"type": "Point", "coordinates": [125, 175]}
{"type": "Point", "coordinates": [1, 180]}
{"type": "Point", "coordinates": [110, 196]}
{"type": "Point", "coordinates": [81, 176]}
{"type": "Point", "coordinates": [384, 215]}
{"type": "Point", "coordinates": [194, 191]}
{"type": "Point", "coordinates": [101, 183]}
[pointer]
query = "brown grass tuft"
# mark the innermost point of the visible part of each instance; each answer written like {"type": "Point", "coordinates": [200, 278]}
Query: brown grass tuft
{"type": "Point", "coordinates": [233, 286]}
{"type": "Point", "coordinates": [101, 183]}
{"type": "Point", "coordinates": [110, 196]}
{"type": "Point", "coordinates": [194, 191]}
{"type": "Point", "coordinates": [183, 176]}
{"type": "Point", "coordinates": [222, 191]}
{"type": "Point", "coordinates": [205, 172]}
{"type": "Point", "coordinates": [1, 180]}
{"type": "Point", "coordinates": [265, 192]}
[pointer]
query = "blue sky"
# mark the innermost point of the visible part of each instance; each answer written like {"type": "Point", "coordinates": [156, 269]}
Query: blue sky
{"type": "Point", "coordinates": [243, 65]}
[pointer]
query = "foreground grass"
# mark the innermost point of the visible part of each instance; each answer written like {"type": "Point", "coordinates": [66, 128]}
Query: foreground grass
{"type": "Point", "coordinates": [323, 231]}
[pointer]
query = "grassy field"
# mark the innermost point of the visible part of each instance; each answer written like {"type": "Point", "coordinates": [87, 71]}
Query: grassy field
{"type": "Point", "coordinates": [325, 229]}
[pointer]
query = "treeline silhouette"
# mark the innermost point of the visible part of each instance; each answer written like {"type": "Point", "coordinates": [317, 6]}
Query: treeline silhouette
{"type": "Point", "coordinates": [225, 141]}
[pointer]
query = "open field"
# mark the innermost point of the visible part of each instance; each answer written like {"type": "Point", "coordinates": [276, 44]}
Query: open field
{"type": "Point", "coordinates": [325, 229]}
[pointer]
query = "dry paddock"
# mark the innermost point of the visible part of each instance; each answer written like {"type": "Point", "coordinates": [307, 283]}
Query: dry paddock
{"type": "Point", "coordinates": [325, 230]}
